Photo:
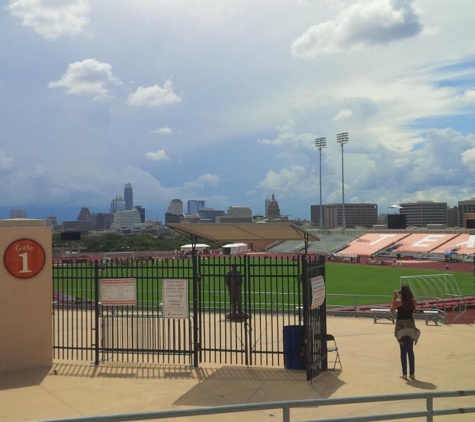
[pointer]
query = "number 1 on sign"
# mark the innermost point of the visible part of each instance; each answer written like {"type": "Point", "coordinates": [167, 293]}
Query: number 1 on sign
{"type": "Point", "coordinates": [24, 258]}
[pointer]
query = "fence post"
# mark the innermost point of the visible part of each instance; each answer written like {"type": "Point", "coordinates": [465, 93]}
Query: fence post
{"type": "Point", "coordinates": [196, 340]}
{"type": "Point", "coordinates": [430, 409]}
{"type": "Point", "coordinates": [96, 310]}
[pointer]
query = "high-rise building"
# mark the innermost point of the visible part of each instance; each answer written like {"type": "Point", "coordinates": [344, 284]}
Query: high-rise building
{"type": "Point", "coordinates": [126, 220]}
{"type": "Point", "coordinates": [141, 211]}
{"type": "Point", "coordinates": [465, 207]}
{"type": "Point", "coordinates": [117, 204]}
{"type": "Point", "coordinates": [174, 211]}
{"type": "Point", "coordinates": [195, 206]}
{"type": "Point", "coordinates": [236, 214]}
{"type": "Point", "coordinates": [128, 197]}
{"type": "Point", "coordinates": [101, 221]}
{"type": "Point", "coordinates": [356, 215]}
{"type": "Point", "coordinates": [51, 221]}
{"type": "Point", "coordinates": [422, 213]}
{"type": "Point", "coordinates": [175, 207]}
{"type": "Point", "coordinates": [84, 220]}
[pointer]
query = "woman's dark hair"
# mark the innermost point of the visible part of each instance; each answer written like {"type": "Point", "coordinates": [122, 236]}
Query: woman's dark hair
{"type": "Point", "coordinates": [407, 298]}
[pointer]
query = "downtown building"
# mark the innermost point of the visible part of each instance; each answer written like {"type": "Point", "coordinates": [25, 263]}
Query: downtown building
{"type": "Point", "coordinates": [424, 213]}
{"type": "Point", "coordinates": [356, 215]}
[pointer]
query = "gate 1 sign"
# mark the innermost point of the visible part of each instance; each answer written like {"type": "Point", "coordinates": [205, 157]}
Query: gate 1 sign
{"type": "Point", "coordinates": [318, 291]}
{"type": "Point", "coordinates": [24, 258]}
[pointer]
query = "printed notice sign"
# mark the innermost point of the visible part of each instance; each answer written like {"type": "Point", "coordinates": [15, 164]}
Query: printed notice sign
{"type": "Point", "coordinates": [175, 298]}
{"type": "Point", "coordinates": [118, 291]}
{"type": "Point", "coordinates": [318, 291]}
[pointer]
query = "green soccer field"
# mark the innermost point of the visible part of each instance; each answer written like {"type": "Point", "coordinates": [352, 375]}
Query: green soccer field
{"type": "Point", "coordinates": [375, 284]}
{"type": "Point", "coordinates": [347, 284]}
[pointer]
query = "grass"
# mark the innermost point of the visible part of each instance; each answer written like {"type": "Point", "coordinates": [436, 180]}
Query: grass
{"type": "Point", "coordinates": [345, 282]}
{"type": "Point", "coordinates": [350, 280]}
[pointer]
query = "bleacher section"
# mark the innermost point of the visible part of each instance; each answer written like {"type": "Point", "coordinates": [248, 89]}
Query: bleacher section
{"type": "Point", "coordinates": [327, 244]}
{"type": "Point", "coordinates": [446, 246]}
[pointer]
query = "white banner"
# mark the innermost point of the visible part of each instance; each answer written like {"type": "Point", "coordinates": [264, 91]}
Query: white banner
{"type": "Point", "coordinates": [318, 291]}
{"type": "Point", "coordinates": [118, 291]}
{"type": "Point", "coordinates": [175, 298]}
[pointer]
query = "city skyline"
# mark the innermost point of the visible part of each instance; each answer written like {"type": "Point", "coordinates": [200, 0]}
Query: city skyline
{"type": "Point", "coordinates": [223, 104]}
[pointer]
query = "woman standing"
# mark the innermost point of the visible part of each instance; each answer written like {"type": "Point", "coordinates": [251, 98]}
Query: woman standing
{"type": "Point", "coordinates": [406, 332]}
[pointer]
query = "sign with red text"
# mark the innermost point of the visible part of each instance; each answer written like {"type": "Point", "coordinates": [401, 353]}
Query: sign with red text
{"type": "Point", "coordinates": [24, 258]}
{"type": "Point", "coordinates": [318, 291]}
{"type": "Point", "coordinates": [118, 291]}
{"type": "Point", "coordinates": [175, 298]}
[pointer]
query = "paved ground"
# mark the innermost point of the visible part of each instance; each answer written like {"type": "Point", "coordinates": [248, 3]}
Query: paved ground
{"type": "Point", "coordinates": [445, 360]}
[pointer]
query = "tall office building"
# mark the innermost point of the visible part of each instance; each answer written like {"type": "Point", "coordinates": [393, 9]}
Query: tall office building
{"type": "Point", "coordinates": [175, 207]}
{"type": "Point", "coordinates": [195, 206]}
{"type": "Point", "coordinates": [141, 211]}
{"type": "Point", "coordinates": [356, 215]}
{"type": "Point", "coordinates": [117, 204]}
{"type": "Point", "coordinates": [84, 220]}
{"type": "Point", "coordinates": [128, 197]}
{"type": "Point", "coordinates": [465, 207]}
{"type": "Point", "coordinates": [422, 213]}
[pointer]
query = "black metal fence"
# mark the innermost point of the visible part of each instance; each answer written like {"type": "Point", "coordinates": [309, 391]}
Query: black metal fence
{"type": "Point", "coordinates": [272, 294]}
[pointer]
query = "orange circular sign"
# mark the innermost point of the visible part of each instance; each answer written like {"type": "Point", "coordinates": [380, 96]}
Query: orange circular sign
{"type": "Point", "coordinates": [24, 258]}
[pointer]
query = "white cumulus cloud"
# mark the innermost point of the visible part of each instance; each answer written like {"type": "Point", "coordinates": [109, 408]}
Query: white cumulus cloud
{"type": "Point", "coordinates": [87, 78]}
{"type": "Point", "coordinates": [343, 114]}
{"type": "Point", "coordinates": [163, 131]}
{"type": "Point", "coordinates": [363, 23]}
{"type": "Point", "coordinates": [160, 155]}
{"type": "Point", "coordinates": [154, 96]}
{"type": "Point", "coordinates": [52, 18]}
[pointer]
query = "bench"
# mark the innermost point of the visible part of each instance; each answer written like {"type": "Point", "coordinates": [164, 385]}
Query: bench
{"type": "Point", "coordinates": [380, 313]}
{"type": "Point", "coordinates": [431, 315]}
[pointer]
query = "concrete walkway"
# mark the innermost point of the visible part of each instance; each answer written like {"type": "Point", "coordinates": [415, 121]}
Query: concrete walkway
{"type": "Point", "coordinates": [445, 360]}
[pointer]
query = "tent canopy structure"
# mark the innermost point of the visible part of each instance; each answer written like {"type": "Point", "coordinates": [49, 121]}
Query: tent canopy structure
{"type": "Point", "coordinates": [242, 232]}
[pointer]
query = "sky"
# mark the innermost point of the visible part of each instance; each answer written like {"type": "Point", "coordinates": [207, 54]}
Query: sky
{"type": "Point", "coordinates": [222, 101]}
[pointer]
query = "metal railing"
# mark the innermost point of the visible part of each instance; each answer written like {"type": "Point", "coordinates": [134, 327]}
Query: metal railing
{"type": "Point", "coordinates": [286, 406]}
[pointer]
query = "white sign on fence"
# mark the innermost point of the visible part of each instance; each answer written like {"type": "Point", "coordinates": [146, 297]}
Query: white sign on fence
{"type": "Point", "coordinates": [318, 291]}
{"type": "Point", "coordinates": [118, 291]}
{"type": "Point", "coordinates": [175, 298]}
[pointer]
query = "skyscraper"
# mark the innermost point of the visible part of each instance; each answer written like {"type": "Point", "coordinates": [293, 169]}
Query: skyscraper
{"type": "Point", "coordinates": [128, 197]}
{"type": "Point", "coordinates": [117, 204]}
{"type": "Point", "coordinates": [195, 206]}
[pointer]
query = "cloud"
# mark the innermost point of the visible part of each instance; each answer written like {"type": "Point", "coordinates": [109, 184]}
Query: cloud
{"type": "Point", "coordinates": [343, 114]}
{"type": "Point", "coordinates": [160, 155]}
{"type": "Point", "coordinates": [6, 163]}
{"type": "Point", "coordinates": [87, 78]}
{"type": "Point", "coordinates": [163, 131]}
{"type": "Point", "coordinates": [287, 136]}
{"type": "Point", "coordinates": [51, 18]}
{"type": "Point", "coordinates": [364, 23]}
{"type": "Point", "coordinates": [154, 96]}
{"type": "Point", "coordinates": [203, 181]}
{"type": "Point", "coordinates": [468, 96]}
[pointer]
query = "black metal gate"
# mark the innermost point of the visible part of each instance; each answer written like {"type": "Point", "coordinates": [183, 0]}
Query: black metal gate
{"type": "Point", "coordinates": [315, 323]}
{"type": "Point", "coordinates": [273, 296]}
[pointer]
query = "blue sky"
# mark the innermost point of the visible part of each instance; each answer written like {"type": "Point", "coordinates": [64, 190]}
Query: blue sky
{"type": "Point", "coordinates": [222, 101]}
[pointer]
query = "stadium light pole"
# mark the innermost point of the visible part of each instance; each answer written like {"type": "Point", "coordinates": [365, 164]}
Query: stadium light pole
{"type": "Point", "coordinates": [321, 143]}
{"type": "Point", "coordinates": [342, 139]}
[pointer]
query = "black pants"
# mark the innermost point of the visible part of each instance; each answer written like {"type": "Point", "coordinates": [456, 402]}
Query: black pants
{"type": "Point", "coordinates": [407, 353]}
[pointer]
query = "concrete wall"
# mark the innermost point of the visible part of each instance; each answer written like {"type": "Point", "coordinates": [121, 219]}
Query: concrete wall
{"type": "Point", "coordinates": [25, 299]}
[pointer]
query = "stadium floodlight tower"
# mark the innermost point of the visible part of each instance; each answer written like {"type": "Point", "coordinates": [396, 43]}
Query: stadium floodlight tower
{"type": "Point", "coordinates": [321, 143]}
{"type": "Point", "coordinates": [342, 139]}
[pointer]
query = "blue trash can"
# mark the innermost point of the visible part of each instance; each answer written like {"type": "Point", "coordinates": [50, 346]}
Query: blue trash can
{"type": "Point", "coordinates": [293, 347]}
